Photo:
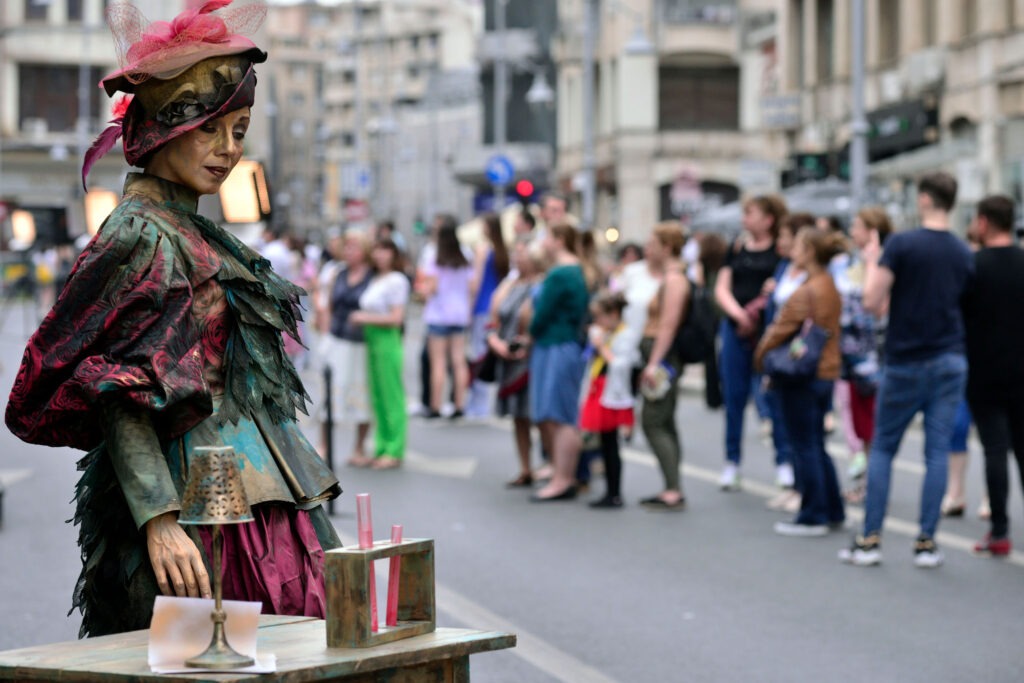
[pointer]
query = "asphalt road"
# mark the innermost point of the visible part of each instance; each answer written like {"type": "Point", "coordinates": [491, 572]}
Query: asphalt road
{"type": "Point", "coordinates": [710, 594]}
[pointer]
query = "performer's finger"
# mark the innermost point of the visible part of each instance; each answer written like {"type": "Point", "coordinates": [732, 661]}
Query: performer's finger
{"type": "Point", "coordinates": [161, 579]}
{"type": "Point", "coordinates": [177, 580]}
{"type": "Point", "coordinates": [188, 576]}
{"type": "Point", "coordinates": [204, 579]}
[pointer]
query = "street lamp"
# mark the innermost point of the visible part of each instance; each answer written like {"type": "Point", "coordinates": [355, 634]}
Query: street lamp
{"type": "Point", "coordinates": [540, 93]}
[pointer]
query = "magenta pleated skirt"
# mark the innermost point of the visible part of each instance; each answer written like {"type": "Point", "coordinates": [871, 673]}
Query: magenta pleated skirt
{"type": "Point", "coordinates": [275, 559]}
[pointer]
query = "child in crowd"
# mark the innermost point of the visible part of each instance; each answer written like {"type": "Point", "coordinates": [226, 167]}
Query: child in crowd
{"type": "Point", "coordinates": [609, 398]}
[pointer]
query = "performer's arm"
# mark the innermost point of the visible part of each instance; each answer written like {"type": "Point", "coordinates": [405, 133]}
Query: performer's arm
{"type": "Point", "coordinates": [146, 482]}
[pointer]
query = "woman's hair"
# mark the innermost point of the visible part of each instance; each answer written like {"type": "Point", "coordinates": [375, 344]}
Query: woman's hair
{"type": "Point", "coordinates": [397, 260]}
{"type": "Point", "coordinates": [794, 222]}
{"type": "Point", "coordinates": [771, 205]}
{"type": "Point", "coordinates": [449, 251]}
{"type": "Point", "coordinates": [361, 239]}
{"type": "Point", "coordinates": [670, 234]}
{"type": "Point", "coordinates": [824, 245]}
{"type": "Point", "coordinates": [493, 226]}
{"type": "Point", "coordinates": [609, 302]}
{"type": "Point", "coordinates": [567, 234]}
{"type": "Point", "coordinates": [630, 248]}
{"type": "Point", "coordinates": [713, 249]}
{"type": "Point", "coordinates": [875, 218]}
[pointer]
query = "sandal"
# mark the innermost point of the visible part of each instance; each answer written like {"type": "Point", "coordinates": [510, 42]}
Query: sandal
{"type": "Point", "coordinates": [656, 503]}
{"type": "Point", "coordinates": [522, 481]}
{"type": "Point", "coordinates": [386, 462]}
{"type": "Point", "coordinates": [855, 496]}
{"type": "Point", "coordinates": [359, 461]}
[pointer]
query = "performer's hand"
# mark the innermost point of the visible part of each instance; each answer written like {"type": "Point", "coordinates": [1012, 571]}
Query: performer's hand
{"type": "Point", "coordinates": [176, 560]}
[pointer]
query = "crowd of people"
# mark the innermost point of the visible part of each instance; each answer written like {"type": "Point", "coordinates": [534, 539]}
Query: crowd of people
{"type": "Point", "coordinates": [570, 348]}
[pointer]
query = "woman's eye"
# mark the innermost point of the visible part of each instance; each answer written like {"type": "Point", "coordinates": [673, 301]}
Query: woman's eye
{"type": "Point", "coordinates": [239, 135]}
{"type": "Point", "coordinates": [207, 128]}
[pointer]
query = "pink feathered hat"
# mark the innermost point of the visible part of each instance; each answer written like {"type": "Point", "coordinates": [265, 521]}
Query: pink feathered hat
{"type": "Point", "coordinates": [163, 49]}
{"type": "Point", "coordinates": [182, 73]}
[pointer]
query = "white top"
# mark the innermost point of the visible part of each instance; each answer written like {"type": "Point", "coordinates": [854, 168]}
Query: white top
{"type": "Point", "coordinates": [639, 287]}
{"type": "Point", "coordinates": [618, 389]}
{"type": "Point", "coordinates": [385, 292]}
{"type": "Point", "coordinates": [787, 284]}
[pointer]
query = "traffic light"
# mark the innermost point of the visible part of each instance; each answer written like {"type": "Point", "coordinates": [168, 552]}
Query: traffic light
{"type": "Point", "coordinates": [525, 190]}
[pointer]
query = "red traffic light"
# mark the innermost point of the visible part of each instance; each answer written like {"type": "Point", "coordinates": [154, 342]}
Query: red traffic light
{"type": "Point", "coordinates": [524, 188]}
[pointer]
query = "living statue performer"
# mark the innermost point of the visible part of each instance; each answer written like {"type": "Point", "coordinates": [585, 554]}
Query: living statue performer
{"type": "Point", "coordinates": [168, 336]}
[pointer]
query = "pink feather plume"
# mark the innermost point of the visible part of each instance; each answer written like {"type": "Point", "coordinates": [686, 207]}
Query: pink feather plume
{"type": "Point", "coordinates": [105, 141]}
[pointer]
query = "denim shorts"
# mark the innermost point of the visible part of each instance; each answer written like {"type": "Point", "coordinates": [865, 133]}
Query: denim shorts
{"type": "Point", "coordinates": [445, 330]}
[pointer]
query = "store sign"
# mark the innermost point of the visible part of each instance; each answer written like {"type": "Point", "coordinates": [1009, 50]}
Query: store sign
{"type": "Point", "coordinates": [902, 127]}
{"type": "Point", "coordinates": [780, 112]}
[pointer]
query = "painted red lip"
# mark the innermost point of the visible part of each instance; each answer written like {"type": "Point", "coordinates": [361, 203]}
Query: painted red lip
{"type": "Point", "coordinates": [218, 171]}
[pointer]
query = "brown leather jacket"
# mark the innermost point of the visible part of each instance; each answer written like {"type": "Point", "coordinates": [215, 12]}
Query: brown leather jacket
{"type": "Point", "coordinates": [820, 292]}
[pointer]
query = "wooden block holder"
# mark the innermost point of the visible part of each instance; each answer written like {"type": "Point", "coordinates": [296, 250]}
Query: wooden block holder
{"type": "Point", "coordinates": [347, 573]}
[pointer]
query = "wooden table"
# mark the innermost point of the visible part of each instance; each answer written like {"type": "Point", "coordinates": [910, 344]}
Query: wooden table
{"type": "Point", "coordinates": [300, 644]}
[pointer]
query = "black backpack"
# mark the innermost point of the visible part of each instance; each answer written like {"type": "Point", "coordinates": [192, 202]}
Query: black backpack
{"type": "Point", "coordinates": [695, 338]}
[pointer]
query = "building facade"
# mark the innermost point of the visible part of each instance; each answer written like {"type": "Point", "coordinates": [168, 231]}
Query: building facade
{"type": "Point", "coordinates": [369, 109]}
{"type": "Point", "coordinates": [944, 90]}
{"type": "Point", "coordinates": [678, 89]}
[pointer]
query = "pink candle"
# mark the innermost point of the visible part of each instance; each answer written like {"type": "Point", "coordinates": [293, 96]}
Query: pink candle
{"type": "Point", "coordinates": [391, 617]}
{"type": "Point", "coordinates": [364, 524]}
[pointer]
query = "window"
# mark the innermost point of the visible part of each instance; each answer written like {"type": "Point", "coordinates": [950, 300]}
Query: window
{"type": "Point", "coordinates": [931, 27]}
{"type": "Point", "coordinates": [969, 19]}
{"type": "Point", "coordinates": [36, 10]}
{"type": "Point", "coordinates": [888, 32]}
{"type": "Point", "coordinates": [75, 10]}
{"type": "Point", "coordinates": [826, 31]}
{"type": "Point", "coordinates": [57, 103]}
{"type": "Point", "coordinates": [698, 98]}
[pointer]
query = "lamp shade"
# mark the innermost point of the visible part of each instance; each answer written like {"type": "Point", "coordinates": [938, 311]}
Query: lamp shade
{"type": "Point", "coordinates": [214, 493]}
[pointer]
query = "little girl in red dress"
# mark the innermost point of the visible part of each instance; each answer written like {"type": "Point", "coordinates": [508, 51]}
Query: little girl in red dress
{"type": "Point", "coordinates": [608, 405]}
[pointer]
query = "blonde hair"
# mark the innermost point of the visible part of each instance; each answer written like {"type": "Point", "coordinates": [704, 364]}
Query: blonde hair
{"type": "Point", "coordinates": [361, 239]}
{"type": "Point", "coordinates": [875, 218]}
{"type": "Point", "coordinates": [671, 236]}
{"type": "Point", "coordinates": [824, 245]}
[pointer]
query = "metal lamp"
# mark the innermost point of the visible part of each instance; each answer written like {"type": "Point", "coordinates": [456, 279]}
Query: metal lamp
{"type": "Point", "coordinates": [214, 495]}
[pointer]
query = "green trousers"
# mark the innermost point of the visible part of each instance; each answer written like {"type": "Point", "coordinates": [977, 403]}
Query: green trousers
{"type": "Point", "coordinates": [658, 420]}
{"type": "Point", "coordinates": [387, 395]}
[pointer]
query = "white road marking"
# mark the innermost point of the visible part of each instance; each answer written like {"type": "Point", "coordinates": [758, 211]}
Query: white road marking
{"type": "Point", "coordinates": [455, 467]}
{"type": "Point", "coordinates": [853, 514]}
{"type": "Point", "coordinates": [556, 663]}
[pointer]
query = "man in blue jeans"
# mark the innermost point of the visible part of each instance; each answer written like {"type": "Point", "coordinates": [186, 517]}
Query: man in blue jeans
{"type": "Point", "coordinates": [919, 279]}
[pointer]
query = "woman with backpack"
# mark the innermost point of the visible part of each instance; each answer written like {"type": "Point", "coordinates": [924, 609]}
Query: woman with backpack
{"type": "Point", "coordinates": [662, 365]}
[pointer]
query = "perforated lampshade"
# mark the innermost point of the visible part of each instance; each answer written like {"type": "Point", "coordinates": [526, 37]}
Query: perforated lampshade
{"type": "Point", "coordinates": [214, 493]}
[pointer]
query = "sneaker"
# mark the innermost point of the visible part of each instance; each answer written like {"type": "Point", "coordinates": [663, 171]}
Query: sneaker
{"type": "Point", "coordinates": [858, 465]}
{"type": "Point", "coordinates": [800, 530]}
{"type": "Point", "coordinates": [730, 479]}
{"type": "Point", "coordinates": [784, 477]}
{"type": "Point", "coordinates": [864, 552]}
{"type": "Point", "coordinates": [926, 553]}
{"type": "Point", "coordinates": [993, 547]}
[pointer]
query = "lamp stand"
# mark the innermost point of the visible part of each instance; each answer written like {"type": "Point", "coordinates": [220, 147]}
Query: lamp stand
{"type": "Point", "coordinates": [219, 655]}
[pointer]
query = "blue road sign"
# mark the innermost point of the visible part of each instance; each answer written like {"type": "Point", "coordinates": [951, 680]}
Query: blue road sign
{"type": "Point", "coordinates": [499, 170]}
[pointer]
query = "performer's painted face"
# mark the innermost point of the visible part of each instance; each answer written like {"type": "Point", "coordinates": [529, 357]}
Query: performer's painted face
{"type": "Point", "coordinates": [204, 157]}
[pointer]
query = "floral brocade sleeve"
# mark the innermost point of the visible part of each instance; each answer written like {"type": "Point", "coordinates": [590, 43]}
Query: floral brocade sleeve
{"type": "Point", "coordinates": [121, 330]}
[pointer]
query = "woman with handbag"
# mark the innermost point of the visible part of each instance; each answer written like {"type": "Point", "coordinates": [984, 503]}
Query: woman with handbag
{"type": "Point", "coordinates": [800, 352]}
{"type": "Point", "coordinates": [741, 294]}
{"type": "Point", "coordinates": [511, 308]}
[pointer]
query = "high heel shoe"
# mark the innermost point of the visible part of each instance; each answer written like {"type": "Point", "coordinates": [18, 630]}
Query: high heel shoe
{"type": "Point", "coordinates": [951, 509]}
{"type": "Point", "coordinates": [568, 494]}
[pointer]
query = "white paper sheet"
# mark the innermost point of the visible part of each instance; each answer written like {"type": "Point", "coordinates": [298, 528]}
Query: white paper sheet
{"type": "Point", "coordinates": [182, 628]}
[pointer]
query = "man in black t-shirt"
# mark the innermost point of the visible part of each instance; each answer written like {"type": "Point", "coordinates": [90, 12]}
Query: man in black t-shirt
{"type": "Point", "coordinates": [919, 279]}
{"type": "Point", "coordinates": [993, 308]}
